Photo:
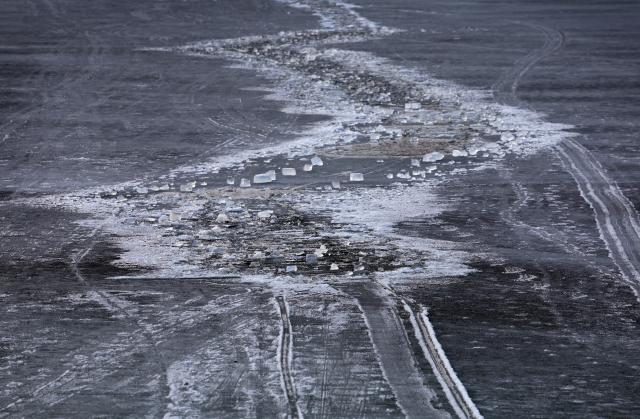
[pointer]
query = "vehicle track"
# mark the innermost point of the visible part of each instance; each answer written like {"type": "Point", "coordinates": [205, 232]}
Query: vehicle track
{"type": "Point", "coordinates": [393, 350]}
{"type": "Point", "coordinates": [616, 217]}
{"type": "Point", "coordinates": [505, 88]}
{"type": "Point", "coordinates": [285, 358]}
{"type": "Point", "coordinates": [453, 388]}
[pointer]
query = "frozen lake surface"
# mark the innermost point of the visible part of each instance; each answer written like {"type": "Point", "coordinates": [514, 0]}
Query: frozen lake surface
{"type": "Point", "coordinates": [278, 208]}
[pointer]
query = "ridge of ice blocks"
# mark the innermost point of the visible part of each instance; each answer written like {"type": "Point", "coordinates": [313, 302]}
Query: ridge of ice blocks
{"type": "Point", "coordinates": [307, 167]}
{"type": "Point", "coordinates": [356, 177]}
{"type": "Point", "coordinates": [288, 171]}
{"type": "Point", "coordinates": [412, 106]}
{"type": "Point", "coordinates": [432, 157]}
{"type": "Point", "coordinates": [459, 153]}
{"type": "Point", "coordinates": [245, 183]}
{"type": "Point", "coordinates": [317, 161]}
{"type": "Point", "coordinates": [263, 178]}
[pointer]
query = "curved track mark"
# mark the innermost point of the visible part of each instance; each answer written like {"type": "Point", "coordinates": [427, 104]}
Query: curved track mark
{"type": "Point", "coordinates": [616, 217]}
{"type": "Point", "coordinates": [505, 88]}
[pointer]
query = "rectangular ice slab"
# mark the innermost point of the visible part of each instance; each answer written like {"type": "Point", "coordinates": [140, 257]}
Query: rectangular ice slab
{"type": "Point", "coordinates": [264, 178]}
{"type": "Point", "coordinates": [288, 171]}
{"type": "Point", "coordinates": [431, 157]}
{"type": "Point", "coordinates": [356, 177]}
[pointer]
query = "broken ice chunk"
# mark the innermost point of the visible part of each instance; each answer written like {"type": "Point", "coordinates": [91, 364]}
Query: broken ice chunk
{"type": "Point", "coordinates": [307, 167]}
{"type": "Point", "coordinates": [223, 218]}
{"type": "Point", "coordinates": [459, 153]}
{"type": "Point", "coordinates": [231, 181]}
{"type": "Point", "coordinates": [187, 187]}
{"type": "Point", "coordinates": [262, 178]}
{"type": "Point", "coordinates": [389, 175]}
{"type": "Point", "coordinates": [334, 267]}
{"type": "Point", "coordinates": [174, 216]}
{"type": "Point", "coordinates": [317, 161]}
{"type": "Point", "coordinates": [320, 252]}
{"type": "Point", "coordinates": [415, 163]}
{"type": "Point", "coordinates": [412, 106]}
{"type": "Point", "coordinates": [311, 259]}
{"type": "Point", "coordinates": [272, 174]}
{"type": "Point", "coordinates": [335, 184]}
{"type": "Point", "coordinates": [142, 190]}
{"type": "Point", "coordinates": [245, 183]}
{"type": "Point", "coordinates": [291, 268]}
{"type": "Point", "coordinates": [265, 214]}
{"type": "Point", "coordinates": [356, 177]}
{"type": "Point", "coordinates": [288, 171]}
{"type": "Point", "coordinates": [432, 157]}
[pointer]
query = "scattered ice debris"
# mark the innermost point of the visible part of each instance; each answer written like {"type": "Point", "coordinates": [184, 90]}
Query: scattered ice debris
{"type": "Point", "coordinates": [415, 163]}
{"type": "Point", "coordinates": [412, 106]}
{"type": "Point", "coordinates": [291, 268]}
{"type": "Point", "coordinates": [459, 153]}
{"type": "Point", "coordinates": [265, 214]}
{"type": "Point", "coordinates": [433, 157]}
{"type": "Point", "coordinates": [231, 181]}
{"type": "Point", "coordinates": [389, 175]}
{"type": "Point", "coordinates": [245, 183]}
{"type": "Point", "coordinates": [174, 216]}
{"type": "Point", "coordinates": [288, 171]}
{"type": "Point", "coordinates": [356, 177]}
{"type": "Point", "coordinates": [223, 218]}
{"type": "Point", "coordinates": [262, 178]}
{"type": "Point", "coordinates": [317, 161]}
{"type": "Point", "coordinates": [307, 167]}
{"type": "Point", "coordinates": [334, 267]}
{"type": "Point", "coordinates": [142, 190]}
{"type": "Point", "coordinates": [187, 187]}
{"type": "Point", "coordinates": [311, 259]}
{"type": "Point", "coordinates": [335, 184]}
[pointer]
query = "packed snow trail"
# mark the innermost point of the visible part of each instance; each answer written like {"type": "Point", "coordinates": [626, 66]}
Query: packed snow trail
{"type": "Point", "coordinates": [615, 215]}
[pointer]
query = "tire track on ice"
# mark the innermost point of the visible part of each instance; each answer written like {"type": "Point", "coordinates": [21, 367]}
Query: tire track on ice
{"type": "Point", "coordinates": [285, 358]}
{"type": "Point", "coordinates": [617, 219]}
{"type": "Point", "coordinates": [453, 388]}
{"type": "Point", "coordinates": [391, 345]}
